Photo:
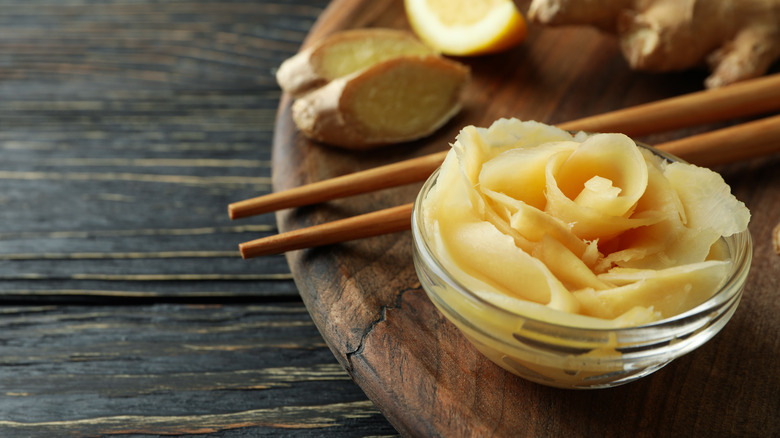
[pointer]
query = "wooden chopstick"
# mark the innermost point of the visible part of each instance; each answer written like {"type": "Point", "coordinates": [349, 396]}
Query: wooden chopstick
{"type": "Point", "coordinates": [389, 220]}
{"type": "Point", "coordinates": [742, 99]}
{"type": "Point", "coordinates": [748, 140]}
{"type": "Point", "coordinates": [390, 175]}
{"type": "Point", "coordinates": [739, 142]}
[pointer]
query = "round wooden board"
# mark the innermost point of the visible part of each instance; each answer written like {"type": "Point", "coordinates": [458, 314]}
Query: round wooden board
{"type": "Point", "coordinates": [366, 300]}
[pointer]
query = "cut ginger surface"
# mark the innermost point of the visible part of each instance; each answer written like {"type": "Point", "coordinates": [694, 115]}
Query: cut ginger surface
{"type": "Point", "coordinates": [344, 53]}
{"type": "Point", "coordinates": [400, 99]}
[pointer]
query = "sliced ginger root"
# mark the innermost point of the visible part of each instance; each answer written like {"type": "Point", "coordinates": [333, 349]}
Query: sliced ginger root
{"type": "Point", "coordinates": [363, 88]}
{"type": "Point", "coordinates": [397, 100]}
{"type": "Point", "coordinates": [739, 39]}
{"type": "Point", "coordinates": [344, 53]}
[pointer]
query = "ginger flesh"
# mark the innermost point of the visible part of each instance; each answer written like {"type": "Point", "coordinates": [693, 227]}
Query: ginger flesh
{"type": "Point", "coordinates": [344, 53]}
{"type": "Point", "coordinates": [738, 39]}
{"type": "Point", "coordinates": [405, 100]}
{"type": "Point", "coordinates": [398, 100]}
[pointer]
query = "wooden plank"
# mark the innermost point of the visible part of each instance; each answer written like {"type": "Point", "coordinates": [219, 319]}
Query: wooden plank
{"type": "Point", "coordinates": [125, 130]}
{"type": "Point", "coordinates": [174, 369]}
{"type": "Point", "coordinates": [366, 300]}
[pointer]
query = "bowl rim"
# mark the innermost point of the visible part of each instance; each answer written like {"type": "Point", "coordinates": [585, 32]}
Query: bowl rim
{"type": "Point", "coordinates": [740, 255]}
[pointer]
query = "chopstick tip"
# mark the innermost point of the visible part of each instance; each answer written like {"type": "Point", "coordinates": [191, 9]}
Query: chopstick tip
{"type": "Point", "coordinates": [243, 251]}
{"type": "Point", "coordinates": [232, 212]}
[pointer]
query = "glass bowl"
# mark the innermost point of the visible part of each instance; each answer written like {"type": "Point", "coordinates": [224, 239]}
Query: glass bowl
{"type": "Point", "coordinates": [570, 357]}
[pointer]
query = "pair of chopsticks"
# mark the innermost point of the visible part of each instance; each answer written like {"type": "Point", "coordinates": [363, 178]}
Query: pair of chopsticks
{"type": "Point", "coordinates": [739, 142]}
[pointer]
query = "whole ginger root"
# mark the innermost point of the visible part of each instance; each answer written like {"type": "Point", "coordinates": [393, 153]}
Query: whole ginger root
{"type": "Point", "coordinates": [738, 39]}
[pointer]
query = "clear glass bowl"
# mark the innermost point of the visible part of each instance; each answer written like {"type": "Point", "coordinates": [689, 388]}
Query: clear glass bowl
{"type": "Point", "coordinates": [570, 357]}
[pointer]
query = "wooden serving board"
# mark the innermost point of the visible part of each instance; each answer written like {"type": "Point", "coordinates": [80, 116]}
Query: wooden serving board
{"type": "Point", "coordinates": [366, 300]}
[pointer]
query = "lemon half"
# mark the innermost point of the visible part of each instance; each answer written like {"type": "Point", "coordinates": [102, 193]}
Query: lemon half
{"type": "Point", "coordinates": [466, 27]}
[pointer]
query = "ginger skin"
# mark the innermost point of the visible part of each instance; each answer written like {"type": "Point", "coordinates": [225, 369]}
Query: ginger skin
{"type": "Point", "coordinates": [738, 39]}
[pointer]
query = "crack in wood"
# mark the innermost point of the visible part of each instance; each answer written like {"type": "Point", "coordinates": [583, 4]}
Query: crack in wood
{"type": "Point", "coordinates": [370, 328]}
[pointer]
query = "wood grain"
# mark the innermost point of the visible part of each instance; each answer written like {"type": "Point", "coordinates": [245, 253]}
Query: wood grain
{"type": "Point", "coordinates": [126, 128]}
{"type": "Point", "coordinates": [366, 301]}
{"type": "Point", "coordinates": [195, 370]}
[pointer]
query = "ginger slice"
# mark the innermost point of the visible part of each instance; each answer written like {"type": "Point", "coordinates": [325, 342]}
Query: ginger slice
{"type": "Point", "coordinates": [344, 53]}
{"type": "Point", "coordinates": [669, 291]}
{"type": "Point", "coordinates": [397, 100]}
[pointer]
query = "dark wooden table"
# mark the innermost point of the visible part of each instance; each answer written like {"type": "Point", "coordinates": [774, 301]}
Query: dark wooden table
{"type": "Point", "coordinates": [126, 127]}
